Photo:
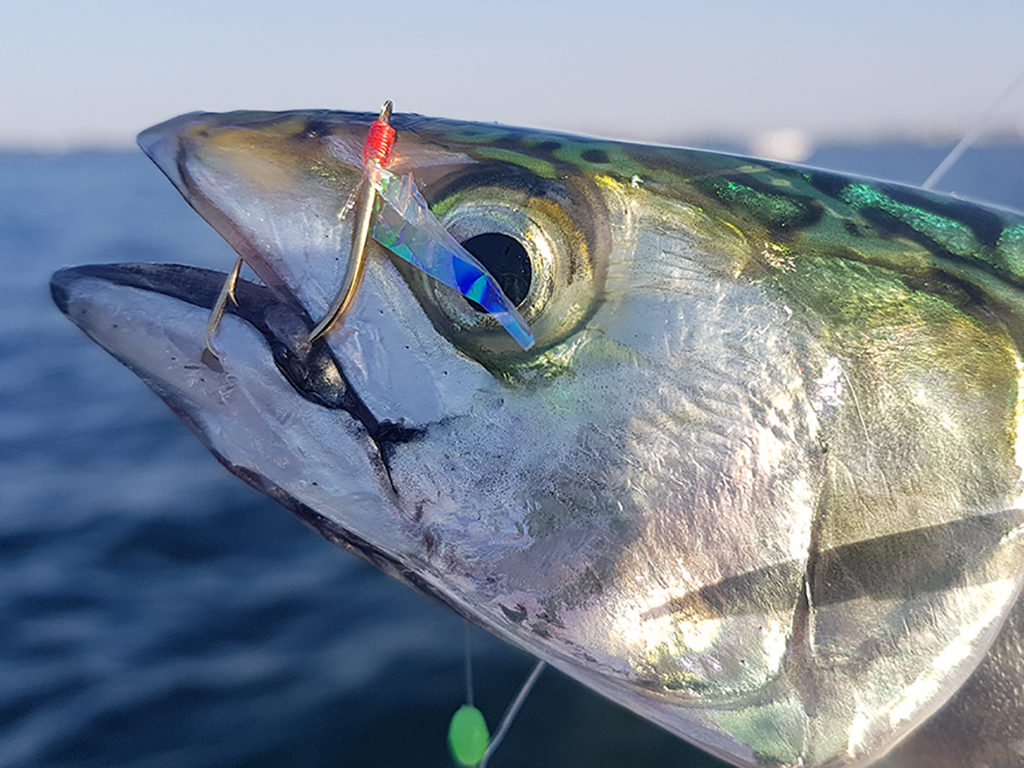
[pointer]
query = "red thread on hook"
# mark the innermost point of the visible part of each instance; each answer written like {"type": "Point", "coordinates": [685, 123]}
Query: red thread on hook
{"type": "Point", "coordinates": [379, 141]}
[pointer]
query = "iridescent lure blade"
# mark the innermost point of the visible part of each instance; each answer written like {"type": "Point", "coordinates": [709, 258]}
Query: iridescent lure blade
{"type": "Point", "coordinates": [406, 226]}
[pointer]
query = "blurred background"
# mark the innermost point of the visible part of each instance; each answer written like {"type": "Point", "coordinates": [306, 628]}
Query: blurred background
{"type": "Point", "coordinates": [155, 611]}
{"type": "Point", "coordinates": [78, 75]}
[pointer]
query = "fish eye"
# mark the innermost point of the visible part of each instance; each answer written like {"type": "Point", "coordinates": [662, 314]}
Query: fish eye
{"type": "Point", "coordinates": [537, 237]}
{"type": "Point", "coordinates": [507, 261]}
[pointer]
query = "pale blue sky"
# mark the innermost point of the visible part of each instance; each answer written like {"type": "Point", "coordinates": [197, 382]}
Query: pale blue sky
{"type": "Point", "coordinates": [97, 73]}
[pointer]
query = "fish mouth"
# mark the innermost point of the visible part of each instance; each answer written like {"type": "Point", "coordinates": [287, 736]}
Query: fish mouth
{"type": "Point", "coordinates": [310, 368]}
{"type": "Point", "coordinates": [269, 382]}
{"type": "Point", "coordinates": [269, 385]}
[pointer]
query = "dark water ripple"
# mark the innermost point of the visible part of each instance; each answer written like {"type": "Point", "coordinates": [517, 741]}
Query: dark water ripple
{"type": "Point", "coordinates": [156, 612]}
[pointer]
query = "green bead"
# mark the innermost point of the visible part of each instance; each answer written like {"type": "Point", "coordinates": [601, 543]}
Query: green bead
{"type": "Point", "coordinates": [468, 736]}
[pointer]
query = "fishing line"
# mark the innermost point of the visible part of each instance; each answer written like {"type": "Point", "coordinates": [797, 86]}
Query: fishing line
{"type": "Point", "coordinates": [973, 134]}
{"type": "Point", "coordinates": [512, 711]}
{"type": "Point", "coordinates": [467, 649]}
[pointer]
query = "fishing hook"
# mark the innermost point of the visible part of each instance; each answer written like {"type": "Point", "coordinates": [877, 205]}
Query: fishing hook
{"type": "Point", "coordinates": [376, 152]}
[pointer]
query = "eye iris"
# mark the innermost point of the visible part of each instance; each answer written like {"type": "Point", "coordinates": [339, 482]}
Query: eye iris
{"type": "Point", "coordinates": [507, 261]}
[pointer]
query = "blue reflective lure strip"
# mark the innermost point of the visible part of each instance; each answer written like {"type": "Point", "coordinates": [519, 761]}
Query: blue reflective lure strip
{"type": "Point", "coordinates": [407, 227]}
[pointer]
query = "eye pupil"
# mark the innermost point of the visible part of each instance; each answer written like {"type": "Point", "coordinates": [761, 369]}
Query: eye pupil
{"type": "Point", "coordinates": [507, 261]}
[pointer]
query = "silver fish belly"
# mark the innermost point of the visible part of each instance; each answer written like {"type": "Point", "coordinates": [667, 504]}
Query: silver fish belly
{"type": "Point", "coordinates": [759, 480]}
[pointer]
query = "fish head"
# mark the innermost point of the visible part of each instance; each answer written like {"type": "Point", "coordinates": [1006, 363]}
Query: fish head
{"type": "Point", "coordinates": [757, 480]}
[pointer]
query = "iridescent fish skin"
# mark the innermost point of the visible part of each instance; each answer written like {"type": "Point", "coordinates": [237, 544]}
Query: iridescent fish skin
{"type": "Point", "coordinates": [759, 480]}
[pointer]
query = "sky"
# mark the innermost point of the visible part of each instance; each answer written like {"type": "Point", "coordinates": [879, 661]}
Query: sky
{"type": "Point", "coordinates": [94, 74]}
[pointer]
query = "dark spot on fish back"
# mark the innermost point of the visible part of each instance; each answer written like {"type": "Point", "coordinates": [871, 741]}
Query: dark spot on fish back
{"type": "Point", "coordinates": [784, 214]}
{"type": "Point", "coordinates": [829, 183]}
{"type": "Point", "coordinates": [986, 225]}
{"type": "Point", "coordinates": [595, 156]}
{"type": "Point", "coordinates": [316, 128]}
{"type": "Point", "coordinates": [890, 227]}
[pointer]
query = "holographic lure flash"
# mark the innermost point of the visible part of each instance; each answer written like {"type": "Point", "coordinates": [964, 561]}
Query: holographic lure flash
{"type": "Point", "coordinates": [407, 227]}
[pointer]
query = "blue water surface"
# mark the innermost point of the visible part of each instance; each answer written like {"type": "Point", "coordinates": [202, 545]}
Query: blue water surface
{"type": "Point", "coordinates": [157, 612]}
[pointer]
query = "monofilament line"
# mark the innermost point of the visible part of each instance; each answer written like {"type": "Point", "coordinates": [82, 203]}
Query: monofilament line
{"type": "Point", "coordinates": [972, 135]}
{"type": "Point", "coordinates": [512, 711]}
{"type": "Point", "coordinates": [467, 648]}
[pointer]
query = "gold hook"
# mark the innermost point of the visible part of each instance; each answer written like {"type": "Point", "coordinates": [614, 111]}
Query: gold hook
{"type": "Point", "coordinates": [357, 254]}
{"type": "Point", "coordinates": [227, 291]}
{"type": "Point", "coordinates": [356, 265]}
